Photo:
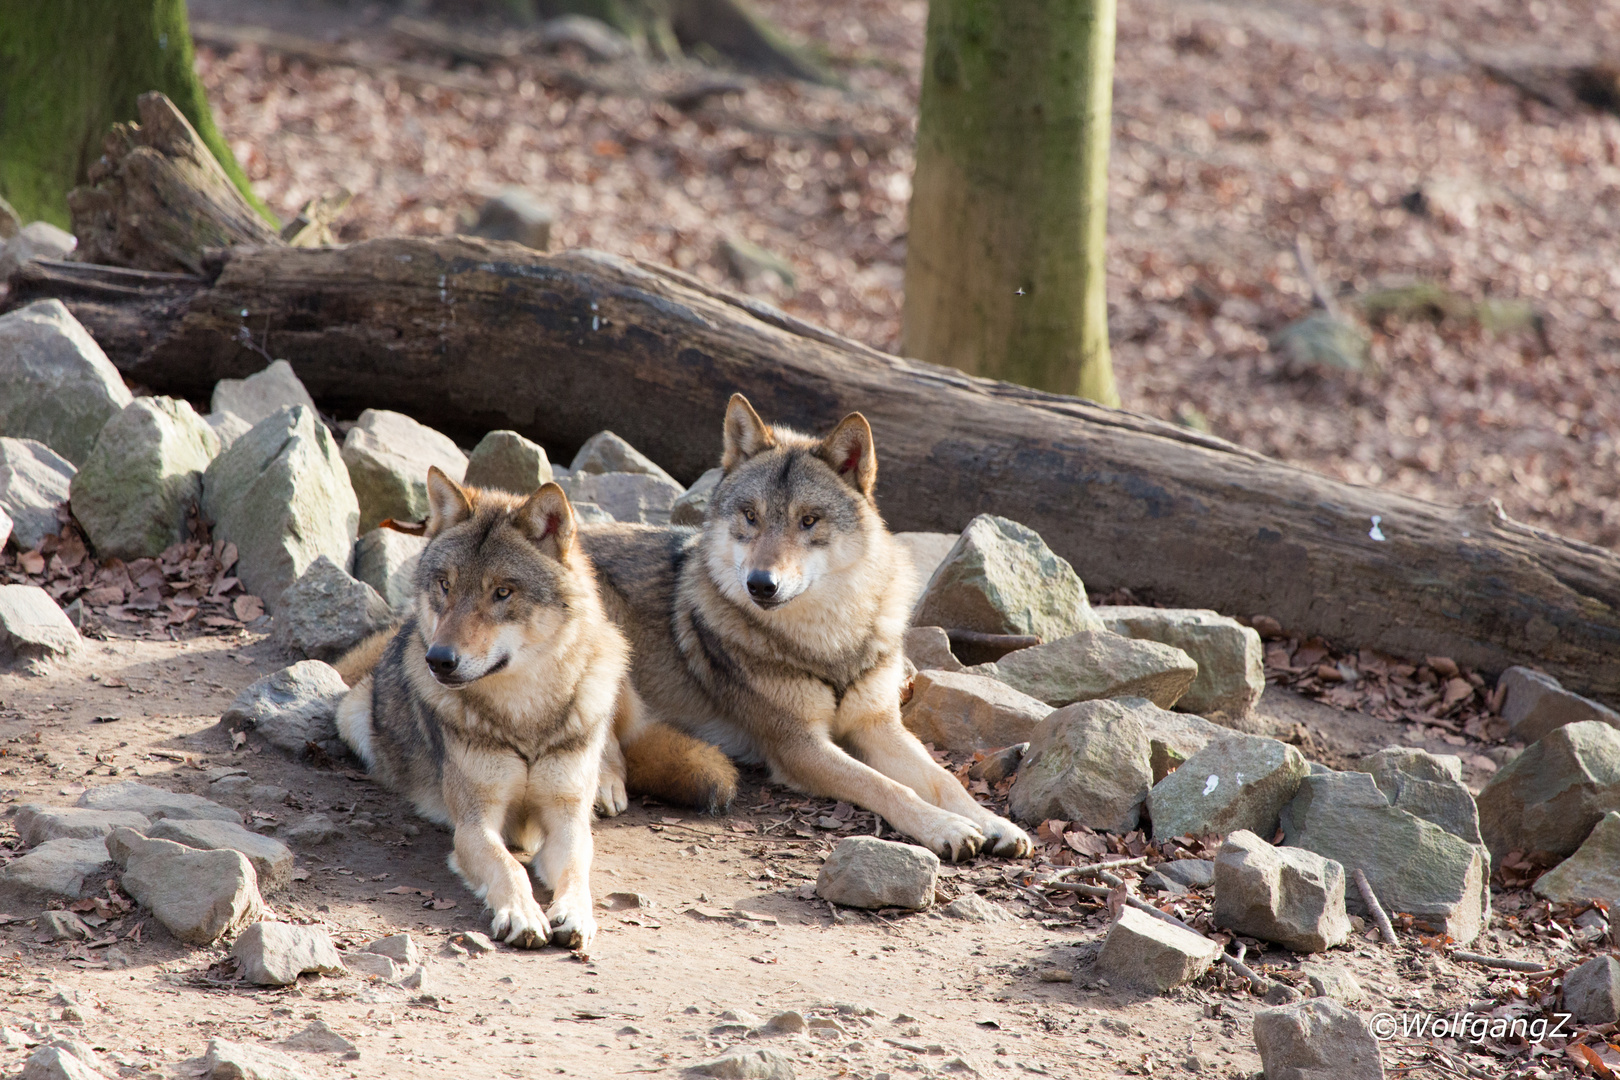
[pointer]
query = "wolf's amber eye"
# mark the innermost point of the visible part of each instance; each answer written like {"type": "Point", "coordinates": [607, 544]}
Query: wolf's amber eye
{"type": "Point", "coordinates": [444, 585]}
{"type": "Point", "coordinates": [503, 593]}
{"type": "Point", "coordinates": [808, 521]}
{"type": "Point", "coordinates": [748, 516]}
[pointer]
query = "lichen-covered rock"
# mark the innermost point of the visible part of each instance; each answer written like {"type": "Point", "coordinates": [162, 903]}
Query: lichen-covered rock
{"type": "Point", "coordinates": [262, 394]}
{"type": "Point", "coordinates": [388, 456]}
{"type": "Point", "coordinates": [1086, 763]}
{"type": "Point", "coordinates": [281, 494]}
{"type": "Point", "coordinates": [1238, 782]}
{"type": "Point", "coordinates": [326, 612]}
{"type": "Point", "coordinates": [1001, 578]}
{"type": "Point", "coordinates": [32, 626]}
{"type": "Point", "coordinates": [1229, 655]}
{"type": "Point", "coordinates": [386, 560]}
{"type": "Point", "coordinates": [605, 452]}
{"type": "Point", "coordinates": [506, 461]}
{"type": "Point", "coordinates": [56, 385]}
{"type": "Point", "coordinates": [1095, 664]}
{"type": "Point", "coordinates": [34, 481]}
{"type": "Point", "coordinates": [1534, 704]}
{"type": "Point", "coordinates": [1153, 954]}
{"type": "Point", "coordinates": [865, 872]}
{"type": "Point", "coordinates": [133, 492]}
{"type": "Point", "coordinates": [1288, 895]}
{"type": "Point", "coordinates": [1592, 873]}
{"type": "Point", "coordinates": [1548, 798]}
{"type": "Point", "coordinates": [956, 711]}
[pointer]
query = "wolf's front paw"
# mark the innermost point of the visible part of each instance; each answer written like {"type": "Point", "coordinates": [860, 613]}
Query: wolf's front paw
{"type": "Point", "coordinates": [1002, 837]}
{"type": "Point", "coordinates": [611, 798]}
{"type": "Point", "coordinates": [952, 836]}
{"type": "Point", "coordinates": [520, 923]}
{"type": "Point", "coordinates": [572, 925]}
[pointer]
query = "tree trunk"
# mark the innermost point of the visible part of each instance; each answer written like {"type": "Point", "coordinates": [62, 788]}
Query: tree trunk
{"type": "Point", "coordinates": [472, 335]}
{"type": "Point", "coordinates": [1005, 254]}
{"type": "Point", "coordinates": [69, 70]}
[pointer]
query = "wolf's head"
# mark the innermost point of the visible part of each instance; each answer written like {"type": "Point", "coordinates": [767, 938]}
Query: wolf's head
{"type": "Point", "coordinates": [499, 576]}
{"type": "Point", "coordinates": [791, 510]}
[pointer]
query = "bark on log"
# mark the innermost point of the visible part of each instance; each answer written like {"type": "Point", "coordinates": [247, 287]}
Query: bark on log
{"type": "Point", "coordinates": [471, 335]}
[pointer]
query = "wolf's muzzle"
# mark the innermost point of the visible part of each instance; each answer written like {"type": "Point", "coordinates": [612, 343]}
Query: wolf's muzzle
{"type": "Point", "coordinates": [763, 586]}
{"type": "Point", "coordinates": [442, 660]}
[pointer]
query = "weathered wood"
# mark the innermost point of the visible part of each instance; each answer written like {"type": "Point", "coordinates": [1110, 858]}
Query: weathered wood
{"type": "Point", "coordinates": [473, 335]}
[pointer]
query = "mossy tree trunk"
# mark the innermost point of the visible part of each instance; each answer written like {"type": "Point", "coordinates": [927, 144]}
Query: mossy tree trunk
{"type": "Point", "coordinates": [1005, 255]}
{"type": "Point", "coordinates": [70, 69]}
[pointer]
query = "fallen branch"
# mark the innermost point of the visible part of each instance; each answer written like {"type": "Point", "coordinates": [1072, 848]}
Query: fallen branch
{"type": "Point", "coordinates": [1099, 868]}
{"type": "Point", "coordinates": [1501, 962]}
{"type": "Point", "coordinates": [1370, 898]}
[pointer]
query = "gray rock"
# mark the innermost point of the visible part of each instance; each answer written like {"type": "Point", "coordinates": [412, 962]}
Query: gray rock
{"type": "Point", "coordinates": [292, 707]}
{"type": "Point", "coordinates": [56, 869]}
{"type": "Point", "coordinates": [57, 1062]}
{"type": "Point", "coordinates": [929, 649]}
{"type": "Point", "coordinates": [692, 507]}
{"type": "Point", "coordinates": [742, 1063]}
{"type": "Point", "coordinates": [1412, 864]}
{"type": "Point", "coordinates": [1173, 737]}
{"type": "Point", "coordinates": [261, 395]}
{"type": "Point", "coordinates": [242, 1061]}
{"type": "Point", "coordinates": [281, 494]}
{"type": "Point", "coordinates": [200, 896]}
{"type": "Point", "coordinates": [1593, 872]}
{"type": "Point", "coordinates": [1096, 664]}
{"type": "Point", "coordinates": [34, 481]}
{"type": "Point", "coordinates": [957, 711]}
{"type": "Point", "coordinates": [373, 965]}
{"type": "Point", "coordinates": [1193, 873]}
{"type": "Point", "coordinates": [154, 803]}
{"type": "Point", "coordinates": [515, 215]}
{"type": "Point", "coordinates": [56, 385]}
{"type": "Point", "coordinates": [865, 872]}
{"type": "Point", "coordinates": [1548, 798]}
{"type": "Point", "coordinates": [276, 953]}
{"type": "Point", "coordinates": [37, 823]}
{"type": "Point", "coordinates": [588, 513]}
{"type": "Point", "coordinates": [1592, 992]}
{"type": "Point", "coordinates": [386, 560]}
{"type": "Point", "coordinates": [971, 907]}
{"type": "Point", "coordinates": [133, 492]}
{"type": "Point", "coordinates": [325, 613]}
{"type": "Point", "coordinates": [32, 627]}
{"type": "Point", "coordinates": [1001, 578]}
{"type": "Point", "coordinates": [318, 1038]}
{"type": "Point", "coordinates": [227, 427]}
{"type": "Point", "coordinates": [1317, 1039]}
{"type": "Point", "coordinates": [927, 550]}
{"type": "Point", "coordinates": [596, 39]}
{"type": "Point", "coordinates": [1333, 982]}
{"type": "Point", "coordinates": [639, 498]}
{"type": "Point", "coordinates": [399, 948]}
{"type": "Point", "coordinates": [1428, 785]}
{"type": "Point", "coordinates": [1535, 704]}
{"type": "Point", "coordinates": [1152, 954]}
{"type": "Point", "coordinates": [272, 860]}
{"type": "Point", "coordinates": [1159, 883]}
{"type": "Point", "coordinates": [312, 831]}
{"type": "Point", "coordinates": [1237, 782]}
{"type": "Point", "coordinates": [1290, 896]}
{"type": "Point", "coordinates": [790, 1022]}
{"type": "Point", "coordinates": [388, 455]}
{"type": "Point", "coordinates": [1086, 763]}
{"type": "Point", "coordinates": [507, 461]}
{"type": "Point", "coordinates": [36, 240]}
{"type": "Point", "coordinates": [1229, 655]}
{"type": "Point", "coordinates": [605, 453]}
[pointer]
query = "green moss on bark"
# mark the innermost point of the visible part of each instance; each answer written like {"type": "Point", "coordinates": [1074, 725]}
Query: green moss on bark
{"type": "Point", "coordinates": [69, 69]}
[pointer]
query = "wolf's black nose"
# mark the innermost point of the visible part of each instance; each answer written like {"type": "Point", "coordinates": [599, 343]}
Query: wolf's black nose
{"type": "Point", "coordinates": [762, 584]}
{"type": "Point", "coordinates": [442, 659]}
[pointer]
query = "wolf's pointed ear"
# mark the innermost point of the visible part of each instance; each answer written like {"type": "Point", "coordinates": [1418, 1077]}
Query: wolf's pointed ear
{"type": "Point", "coordinates": [547, 519]}
{"type": "Point", "coordinates": [746, 433]}
{"type": "Point", "coordinates": [448, 502]}
{"type": "Point", "coordinates": [849, 451]}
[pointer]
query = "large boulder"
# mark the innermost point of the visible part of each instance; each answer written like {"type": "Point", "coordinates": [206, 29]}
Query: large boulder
{"type": "Point", "coordinates": [1153, 954]}
{"type": "Point", "coordinates": [133, 492]}
{"type": "Point", "coordinates": [605, 452]}
{"type": "Point", "coordinates": [1238, 782]}
{"type": "Point", "coordinates": [865, 872]}
{"type": "Point", "coordinates": [1096, 664]}
{"type": "Point", "coordinates": [1593, 872]}
{"type": "Point", "coordinates": [1288, 895]}
{"type": "Point", "coordinates": [692, 506]}
{"type": "Point", "coordinates": [227, 426]}
{"type": "Point", "coordinates": [1534, 704]}
{"type": "Point", "coordinates": [956, 711]}
{"type": "Point", "coordinates": [386, 560]}
{"type": "Point", "coordinates": [154, 803]}
{"type": "Point", "coordinates": [1173, 737]}
{"type": "Point", "coordinates": [637, 498]}
{"type": "Point", "coordinates": [56, 385]}
{"type": "Point", "coordinates": [388, 455]}
{"type": "Point", "coordinates": [34, 481]}
{"type": "Point", "coordinates": [1413, 864]}
{"type": "Point", "coordinates": [1316, 1039]}
{"type": "Point", "coordinates": [1086, 763]}
{"type": "Point", "coordinates": [1548, 798]}
{"type": "Point", "coordinates": [32, 627]}
{"type": "Point", "coordinates": [325, 613]}
{"type": "Point", "coordinates": [55, 870]}
{"type": "Point", "coordinates": [199, 896]}
{"type": "Point", "coordinates": [1425, 784]}
{"type": "Point", "coordinates": [261, 395]}
{"type": "Point", "coordinates": [272, 860]}
{"type": "Point", "coordinates": [291, 708]}
{"type": "Point", "coordinates": [1001, 578]}
{"type": "Point", "coordinates": [281, 494]}
{"type": "Point", "coordinates": [506, 461]}
{"type": "Point", "coordinates": [1229, 655]}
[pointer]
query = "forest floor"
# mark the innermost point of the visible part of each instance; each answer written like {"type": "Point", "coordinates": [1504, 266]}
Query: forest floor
{"type": "Point", "coordinates": [1374, 133]}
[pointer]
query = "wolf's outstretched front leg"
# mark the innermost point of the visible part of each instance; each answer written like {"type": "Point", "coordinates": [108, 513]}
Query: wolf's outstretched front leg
{"type": "Point", "coordinates": [564, 863]}
{"type": "Point", "coordinates": [481, 859]}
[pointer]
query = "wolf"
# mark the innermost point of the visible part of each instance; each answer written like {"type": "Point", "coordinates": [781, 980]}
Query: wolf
{"type": "Point", "coordinates": [502, 708]}
{"type": "Point", "coordinates": [774, 632]}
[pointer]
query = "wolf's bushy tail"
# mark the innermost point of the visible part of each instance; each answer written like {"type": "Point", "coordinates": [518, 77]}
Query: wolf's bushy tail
{"type": "Point", "coordinates": [676, 768]}
{"type": "Point", "coordinates": [357, 663]}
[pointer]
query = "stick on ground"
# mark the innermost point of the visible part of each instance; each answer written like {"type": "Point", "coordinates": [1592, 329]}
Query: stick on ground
{"type": "Point", "coordinates": [1500, 962]}
{"type": "Point", "coordinates": [1370, 898]}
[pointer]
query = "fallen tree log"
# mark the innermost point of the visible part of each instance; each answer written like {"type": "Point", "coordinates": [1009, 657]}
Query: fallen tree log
{"type": "Point", "coordinates": [470, 335]}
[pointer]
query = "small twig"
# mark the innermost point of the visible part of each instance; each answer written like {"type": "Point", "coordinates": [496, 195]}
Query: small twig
{"type": "Point", "coordinates": [1500, 962]}
{"type": "Point", "coordinates": [1099, 868]}
{"type": "Point", "coordinates": [1370, 898]}
{"type": "Point", "coordinates": [1259, 985]}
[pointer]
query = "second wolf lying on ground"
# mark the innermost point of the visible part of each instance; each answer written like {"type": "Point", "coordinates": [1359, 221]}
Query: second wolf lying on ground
{"type": "Point", "coordinates": [775, 632]}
